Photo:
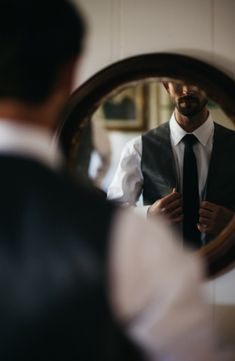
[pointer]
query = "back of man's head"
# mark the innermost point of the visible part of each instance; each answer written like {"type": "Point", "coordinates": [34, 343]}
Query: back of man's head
{"type": "Point", "coordinates": [37, 37]}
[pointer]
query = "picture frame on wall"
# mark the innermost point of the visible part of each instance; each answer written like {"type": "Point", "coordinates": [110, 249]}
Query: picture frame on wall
{"type": "Point", "coordinates": [124, 110]}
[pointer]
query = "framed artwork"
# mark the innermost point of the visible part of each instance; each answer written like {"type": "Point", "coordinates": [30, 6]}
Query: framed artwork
{"type": "Point", "coordinates": [125, 109]}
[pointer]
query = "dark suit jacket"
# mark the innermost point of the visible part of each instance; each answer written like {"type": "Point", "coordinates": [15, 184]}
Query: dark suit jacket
{"type": "Point", "coordinates": [53, 266]}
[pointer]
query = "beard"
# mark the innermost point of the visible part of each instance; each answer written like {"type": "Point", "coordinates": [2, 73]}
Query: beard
{"type": "Point", "coordinates": [190, 105]}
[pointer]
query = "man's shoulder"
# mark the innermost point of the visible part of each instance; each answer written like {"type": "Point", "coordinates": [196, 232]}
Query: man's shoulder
{"type": "Point", "coordinates": [132, 146]}
{"type": "Point", "coordinates": [44, 186]}
{"type": "Point", "coordinates": [223, 129]}
{"type": "Point", "coordinates": [161, 130]}
{"type": "Point", "coordinates": [157, 137]}
{"type": "Point", "coordinates": [224, 133]}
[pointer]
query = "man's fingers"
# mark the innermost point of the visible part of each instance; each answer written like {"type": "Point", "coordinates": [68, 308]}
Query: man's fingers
{"type": "Point", "coordinates": [169, 199]}
{"type": "Point", "coordinates": [176, 215]}
{"type": "Point", "coordinates": [204, 220]}
{"type": "Point", "coordinates": [208, 206]}
{"type": "Point", "coordinates": [205, 213]}
{"type": "Point", "coordinates": [166, 205]}
{"type": "Point", "coordinates": [170, 207]}
{"type": "Point", "coordinates": [177, 219]}
{"type": "Point", "coordinates": [203, 228]}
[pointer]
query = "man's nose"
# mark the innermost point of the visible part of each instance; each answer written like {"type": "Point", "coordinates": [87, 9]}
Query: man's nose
{"type": "Point", "coordinates": [187, 89]}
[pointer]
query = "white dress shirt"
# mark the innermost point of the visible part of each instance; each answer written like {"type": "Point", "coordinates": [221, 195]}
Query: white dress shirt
{"type": "Point", "coordinates": [155, 285]}
{"type": "Point", "coordinates": [202, 150]}
{"type": "Point", "coordinates": [126, 186]}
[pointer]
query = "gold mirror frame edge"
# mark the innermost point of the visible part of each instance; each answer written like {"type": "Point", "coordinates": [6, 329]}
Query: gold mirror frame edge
{"type": "Point", "coordinates": [219, 254]}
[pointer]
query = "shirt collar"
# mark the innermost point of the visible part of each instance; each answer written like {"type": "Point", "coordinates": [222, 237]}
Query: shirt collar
{"type": "Point", "coordinates": [202, 133]}
{"type": "Point", "coordinates": [31, 142]}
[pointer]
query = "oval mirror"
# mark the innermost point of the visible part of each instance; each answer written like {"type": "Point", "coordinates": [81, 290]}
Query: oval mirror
{"type": "Point", "coordinates": [128, 98]}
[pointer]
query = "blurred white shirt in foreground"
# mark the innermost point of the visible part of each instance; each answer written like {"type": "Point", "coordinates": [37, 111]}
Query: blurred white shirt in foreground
{"type": "Point", "coordinates": [157, 292]}
{"type": "Point", "coordinates": [155, 284]}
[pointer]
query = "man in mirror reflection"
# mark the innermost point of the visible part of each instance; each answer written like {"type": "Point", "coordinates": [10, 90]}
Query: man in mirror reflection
{"type": "Point", "coordinates": [73, 267]}
{"type": "Point", "coordinates": [182, 168]}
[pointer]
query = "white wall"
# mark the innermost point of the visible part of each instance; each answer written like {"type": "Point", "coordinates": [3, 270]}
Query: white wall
{"type": "Point", "coordinates": [122, 28]}
{"type": "Point", "coordinates": [204, 29]}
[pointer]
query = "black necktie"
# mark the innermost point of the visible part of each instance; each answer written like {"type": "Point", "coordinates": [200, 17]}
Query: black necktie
{"type": "Point", "coordinates": [190, 193]}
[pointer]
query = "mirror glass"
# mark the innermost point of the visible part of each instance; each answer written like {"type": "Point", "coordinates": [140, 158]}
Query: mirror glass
{"type": "Point", "coordinates": [129, 98]}
{"type": "Point", "coordinates": [126, 113]}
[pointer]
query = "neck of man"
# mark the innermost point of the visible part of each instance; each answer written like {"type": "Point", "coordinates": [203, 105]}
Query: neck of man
{"type": "Point", "coordinates": [191, 123]}
{"type": "Point", "coordinates": [44, 115]}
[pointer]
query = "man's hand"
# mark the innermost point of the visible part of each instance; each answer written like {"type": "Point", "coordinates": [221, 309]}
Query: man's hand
{"type": "Point", "coordinates": [213, 218]}
{"type": "Point", "coordinates": [169, 206]}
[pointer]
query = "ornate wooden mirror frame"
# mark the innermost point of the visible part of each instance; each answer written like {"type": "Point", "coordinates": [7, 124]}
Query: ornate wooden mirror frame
{"type": "Point", "coordinates": [220, 253]}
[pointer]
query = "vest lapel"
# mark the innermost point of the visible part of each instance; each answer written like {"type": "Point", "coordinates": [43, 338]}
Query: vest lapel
{"type": "Point", "coordinates": [167, 159]}
{"type": "Point", "coordinates": [158, 165]}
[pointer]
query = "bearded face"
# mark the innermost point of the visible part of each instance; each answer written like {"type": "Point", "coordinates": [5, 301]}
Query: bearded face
{"type": "Point", "coordinates": [189, 100]}
{"type": "Point", "coordinates": [190, 105]}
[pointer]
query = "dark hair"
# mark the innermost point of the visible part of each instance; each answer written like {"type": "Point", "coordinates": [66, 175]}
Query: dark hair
{"type": "Point", "coordinates": [37, 37]}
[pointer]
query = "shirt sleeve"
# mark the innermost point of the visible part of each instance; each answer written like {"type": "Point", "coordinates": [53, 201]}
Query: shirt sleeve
{"type": "Point", "coordinates": [156, 292]}
{"type": "Point", "coordinates": [126, 185]}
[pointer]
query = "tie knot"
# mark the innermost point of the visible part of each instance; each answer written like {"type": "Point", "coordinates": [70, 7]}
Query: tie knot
{"type": "Point", "coordinates": [189, 139]}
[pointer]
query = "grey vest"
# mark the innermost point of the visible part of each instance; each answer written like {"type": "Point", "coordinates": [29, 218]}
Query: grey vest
{"type": "Point", "coordinates": [159, 172]}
